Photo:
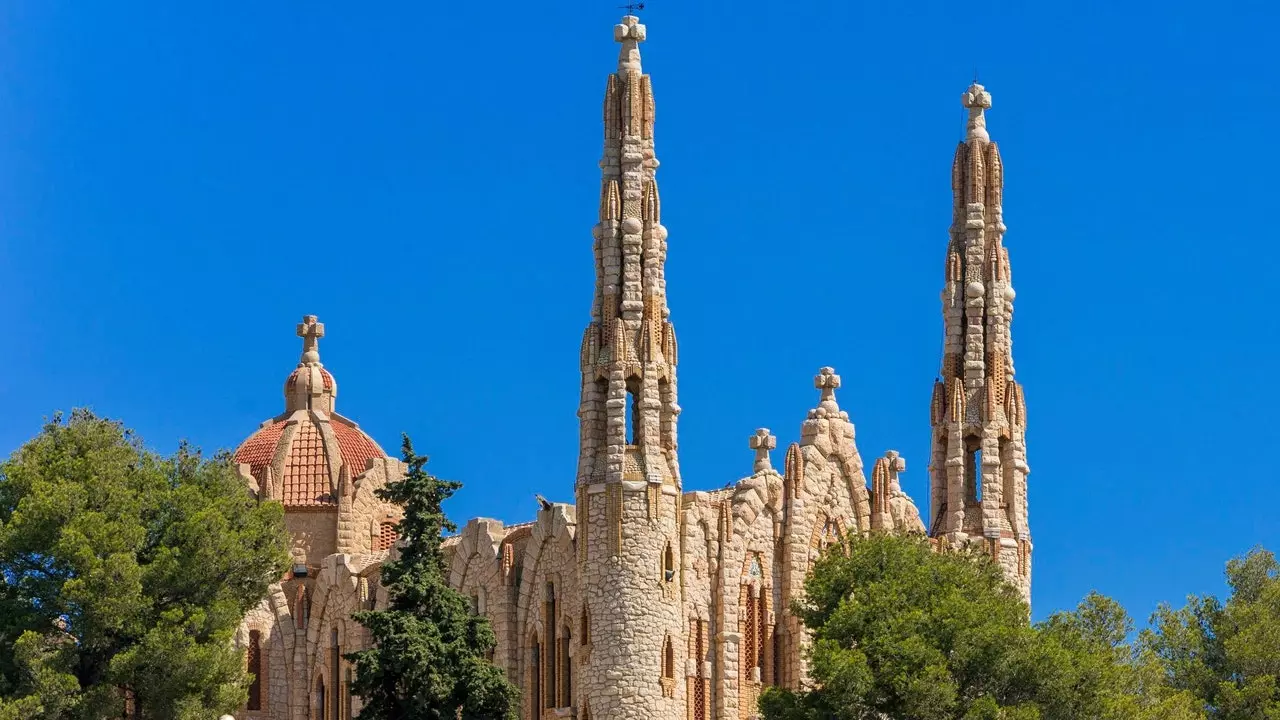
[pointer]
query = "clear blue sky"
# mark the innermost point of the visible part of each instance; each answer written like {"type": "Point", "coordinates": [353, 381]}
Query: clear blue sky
{"type": "Point", "coordinates": [179, 184]}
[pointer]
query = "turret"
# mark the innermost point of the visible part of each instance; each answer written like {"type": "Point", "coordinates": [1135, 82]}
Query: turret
{"type": "Point", "coordinates": [628, 484]}
{"type": "Point", "coordinates": [978, 488]}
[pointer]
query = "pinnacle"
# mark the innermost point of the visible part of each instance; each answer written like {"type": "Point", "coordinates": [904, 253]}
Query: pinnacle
{"type": "Point", "coordinates": [977, 100]}
{"type": "Point", "coordinates": [630, 33]}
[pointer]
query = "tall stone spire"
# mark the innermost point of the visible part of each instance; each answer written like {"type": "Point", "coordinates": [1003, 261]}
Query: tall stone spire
{"type": "Point", "coordinates": [978, 487]}
{"type": "Point", "coordinates": [628, 486]}
{"type": "Point", "coordinates": [628, 410]}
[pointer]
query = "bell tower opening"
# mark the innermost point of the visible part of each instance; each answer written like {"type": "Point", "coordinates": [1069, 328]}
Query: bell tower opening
{"type": "Point", "coordinates": [973, 471]}
{"type": "Point", "coordinates": [633, 411]}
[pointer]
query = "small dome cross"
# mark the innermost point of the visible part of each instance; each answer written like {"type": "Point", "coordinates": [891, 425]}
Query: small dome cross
{"type": "Point", "coordinates": [310, 331]}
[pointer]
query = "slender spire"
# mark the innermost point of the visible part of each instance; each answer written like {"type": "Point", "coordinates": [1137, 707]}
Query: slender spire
{"type": "Point", "coordinates": [629, 348]}
{"type": "Point", "coordinates": [978, 467]}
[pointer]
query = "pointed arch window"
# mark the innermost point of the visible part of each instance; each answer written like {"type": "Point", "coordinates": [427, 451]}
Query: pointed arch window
{"type": "Point", "coordinates": [668, 679]}
{"type": "Point", "coordinates": [669, 564]}
{"type": "Point", "coordinates": [317, 711]}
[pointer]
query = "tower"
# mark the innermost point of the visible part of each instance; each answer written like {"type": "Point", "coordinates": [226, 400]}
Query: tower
{"type": "Point", "coordinates": [978, 486]}
{"type": "Point", "coordinates": [628, 484]}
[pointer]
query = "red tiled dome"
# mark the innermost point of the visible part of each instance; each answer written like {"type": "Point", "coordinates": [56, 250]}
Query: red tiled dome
{"type": "Point", "coordinates": [305, 479]}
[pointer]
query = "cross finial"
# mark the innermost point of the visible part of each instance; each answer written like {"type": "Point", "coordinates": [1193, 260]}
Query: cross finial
{"type": "Point", "coordinates": [977, 100]}
{"type": "Point", "coordinates": [827, 381]}
{"type": "Point", "coordinates": [310, 331]}
{"type": "Point", "coordinates": [630, 33]}
{"type": "Point", "coordinates": [762, 442]}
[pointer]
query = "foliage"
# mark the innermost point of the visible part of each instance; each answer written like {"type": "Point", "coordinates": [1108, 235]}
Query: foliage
{"type": "Point", "coordinates": [428, 657]}
{"type": "Point", "coordinates": [126, 573]}
{"type": "Point", "coordinates": [1227, 655]}
{"type": "Point", "coordinates": [901, 631]}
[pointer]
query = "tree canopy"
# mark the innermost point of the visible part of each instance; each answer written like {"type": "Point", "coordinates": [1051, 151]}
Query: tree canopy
{"type": "Point", "coordinates": [429, 653]}
{"type": "Point", "coordinates": [124, 574]}
{"type": "Point", "coordinates": [1226, 654]}
{"type": "Point", "coordinates": [903, 632]}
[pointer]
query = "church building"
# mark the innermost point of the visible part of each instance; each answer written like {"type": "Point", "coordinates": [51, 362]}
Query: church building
{"type": "Point", "coordinates": [641, 600]}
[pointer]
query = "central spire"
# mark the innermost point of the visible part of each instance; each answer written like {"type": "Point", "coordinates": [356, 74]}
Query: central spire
{"type": "Point", "coordinates": [628, 487]}
{"type": "Point", "coordinates": [628, 412]}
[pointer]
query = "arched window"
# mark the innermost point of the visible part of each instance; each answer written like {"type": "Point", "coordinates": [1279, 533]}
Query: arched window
{"type": "Point", "coordinates": [319, 706]}
{"type": "Point", "coordinates": [254, 667]}
{"type": "Point", "coordinates": [668, 679]}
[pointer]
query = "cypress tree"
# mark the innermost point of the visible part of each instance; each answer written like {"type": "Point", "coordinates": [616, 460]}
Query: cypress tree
{"type": "Point", "coordinates": [428, 658]}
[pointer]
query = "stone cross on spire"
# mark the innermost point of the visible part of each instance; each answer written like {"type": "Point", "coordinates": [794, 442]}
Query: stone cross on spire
{"type": "Point", "coordinates": [977, 100]}
{"type": "Point", "coordinates": [630, 33]}
{"type": "Point", "coordinates": [827, 381]}
{"type": "Point", "coordinates": [762, 442]}
{"type": "Point", "coordinates": [310, 331]}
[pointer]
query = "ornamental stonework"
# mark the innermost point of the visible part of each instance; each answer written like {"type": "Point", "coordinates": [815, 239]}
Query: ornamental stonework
{"type": "Point", "coordinates": [642, 600]}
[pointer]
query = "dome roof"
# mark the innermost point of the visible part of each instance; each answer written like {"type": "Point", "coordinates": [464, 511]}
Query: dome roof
{"type": "Point", "coordinates": [298, 456]}
{"type": "Point", "coordinates": [304, 455]}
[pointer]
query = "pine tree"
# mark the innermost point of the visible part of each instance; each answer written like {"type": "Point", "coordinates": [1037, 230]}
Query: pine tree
{"type": "Point", "coordinates": [428, 654]}
{"type": "Point", "coordinates": [124, 575]}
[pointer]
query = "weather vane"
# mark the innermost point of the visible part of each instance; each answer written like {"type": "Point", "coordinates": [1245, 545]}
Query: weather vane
{"type": "Point", "coordinates": [631, 8]}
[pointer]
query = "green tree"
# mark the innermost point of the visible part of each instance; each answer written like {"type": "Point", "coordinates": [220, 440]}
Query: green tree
{"type": "Point", "coordinates": [124, 574]}
{"type": "Point", "coordinates": [903, 632]}
{"type": "Point", "coordinates": [428, 656]}
{"type": "Point", "coordinates": [1226, 654]}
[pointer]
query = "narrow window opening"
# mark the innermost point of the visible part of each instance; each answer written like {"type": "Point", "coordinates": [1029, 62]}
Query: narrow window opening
{"type": "Point", "coordinates": [335, 658]}
{"type": "Point", "coordinates": [535, 682]}
{"type": "Point", "coordinates": [320, 699]}
{"type": "Point", "coordinates": [631, 418]}
{"type": "Point", "coordinates": [584, 630]}
{"type": "Point", "coordinates": [669, 564]}
{"type": "Point", "coordinates": [633, 411]}
{"type": "Point", "coordinates": [668, 660]}
{"type": "Point", "coordinates": [779, 657]}
{"type": "Point", "coordinates": [566, 672]}
{"type": "Point", "coordinates": [551, 664]}
{"type": "Point", "coordinates": [255, 668]}
{"type": "Point", "coordinates": [973, 471]}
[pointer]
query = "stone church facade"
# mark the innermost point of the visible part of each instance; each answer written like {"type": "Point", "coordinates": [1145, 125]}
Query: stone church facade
{"type": "Point", "coordinates": [641, 601]}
